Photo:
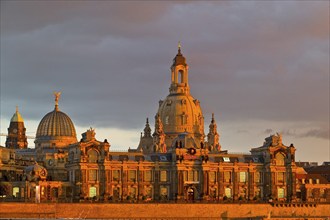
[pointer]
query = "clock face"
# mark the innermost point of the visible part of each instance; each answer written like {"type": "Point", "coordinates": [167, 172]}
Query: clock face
{"type": "Point", "coordinates": [15, 130]}
{"type": "Point", "coordinates": [42, 173]}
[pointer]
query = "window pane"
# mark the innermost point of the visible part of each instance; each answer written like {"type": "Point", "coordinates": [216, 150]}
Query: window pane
{"type": "Point", "coordinates": [212, 177]}
{"type": "Point", "coordinates": [163, 191]}
{"type": "Point", "coordinates": [132, 175]}
{"type": "Point", "coordinates": [92, 175]}
{"type": "Point", "coordinates": [190, 175]}
{"type": "Point", "coordinates": [257, 177]}
{"type": "Point", "coordinates": [242, 177]}
{"type": "Point", "coordinates": [227, 177]}
{"type": "Point", "coordinates": [116, 175]}
{"type": "Point", "coordinates": [280, 193]}
{"type": "Point", "coordinates": [228, 192]}
{"type": "Point", "coordinates": [163, 176]}
{"type": "Point", "coordinates": [15, 191]}
{"type": "Point", "coordinates": [280, 177]}
{"type": "Point", "coordinates": [92, 192]}
{"type": "Point", "coordinates": [147, 176]}
{"type": "Point", "coordinates": [196, 175]}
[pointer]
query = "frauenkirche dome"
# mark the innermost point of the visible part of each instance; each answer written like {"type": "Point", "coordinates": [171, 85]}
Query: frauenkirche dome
{"type": "Point", "coordinates": [55, 129]}
{"type": "Point", "coordinates": [180, 112]}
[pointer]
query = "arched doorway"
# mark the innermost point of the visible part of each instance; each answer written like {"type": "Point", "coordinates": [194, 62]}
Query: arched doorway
{"type": "Point", "coordinates": [191, 194]}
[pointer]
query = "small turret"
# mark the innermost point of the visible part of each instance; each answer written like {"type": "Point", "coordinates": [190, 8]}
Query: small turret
{"type": "Point", "coordinates": [213, 136]}
{"type": "Point", "coordinates": [147, 129]}
{"type": "Point", "coordinates": [146, 141]}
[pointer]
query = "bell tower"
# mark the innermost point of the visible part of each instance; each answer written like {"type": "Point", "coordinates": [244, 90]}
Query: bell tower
{"type": "Point", "coordinates": [16, 138]}
{"type": "Point", "coordinates": [179, 74]}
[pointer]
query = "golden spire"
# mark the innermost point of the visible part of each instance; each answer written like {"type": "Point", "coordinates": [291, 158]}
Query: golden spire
{"type": "Point", "coordinates": [17, 116]}
{"type": "Point", "coordinates": [179, 47]}
{"type": "Point", "coordinates": [57, 97]}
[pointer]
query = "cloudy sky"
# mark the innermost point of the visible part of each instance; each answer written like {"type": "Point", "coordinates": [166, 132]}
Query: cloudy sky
{"type": "Point", "coordinates": [261, 66]}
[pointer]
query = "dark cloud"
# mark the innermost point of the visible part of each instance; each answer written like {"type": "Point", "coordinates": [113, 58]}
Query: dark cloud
{"type": "Point", "coordinates": [318, 133]}
{"type": "Point", "coordinates": [268, 131]}
{"type": "Point", "coordinates": [248, 60]}
{"type": "Point", "coordinates": [322, 133]}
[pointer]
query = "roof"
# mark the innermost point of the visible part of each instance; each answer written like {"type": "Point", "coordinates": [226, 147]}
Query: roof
{"type": "Point", "coordinates": [323, 169]}
{"type": "Point", "coordinates": [314, 177]}
{"type": "Point", "coordinates": [17, 117]}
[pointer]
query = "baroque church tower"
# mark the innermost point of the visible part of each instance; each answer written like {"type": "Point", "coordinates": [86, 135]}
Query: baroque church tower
{"type": "Point", "coordinates": [16, 138]}
{"type": "Point", "coordinates": [213, 137]}
{"type": "Point", "coordinates": [146, 140]}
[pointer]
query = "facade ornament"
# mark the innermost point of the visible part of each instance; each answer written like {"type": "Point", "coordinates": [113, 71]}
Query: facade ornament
{"type": "Point", "coordinates": [159, 136]}
{"type": "Point", "coordinates": [57, 97]}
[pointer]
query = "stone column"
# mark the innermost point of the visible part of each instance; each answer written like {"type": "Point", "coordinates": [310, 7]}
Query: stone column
{"type": "Point", "coordinates": [221, 182]}
{"type": "Point", "coordinates": [205, 183]}
{"type": "Point", "coordinates": [180, 188]}
{"type": "Point", "coordinates": [251, 184]}
{"type": "Point", "coordinates": [273, 184]}
{"type": "Point", "coordinates": [235, 182]}
{"type": "Point", "coordinates": [140, 181]}
{"type": "Point", "coordinates": [156, 182]}
{"type": "Point", "coordinates": [124, 187]}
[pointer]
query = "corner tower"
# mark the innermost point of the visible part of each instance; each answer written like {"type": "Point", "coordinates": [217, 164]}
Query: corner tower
{"type": "Point", "coordinates": [16, 138]}
{"type": "Point", "coordinates": [180, 112]}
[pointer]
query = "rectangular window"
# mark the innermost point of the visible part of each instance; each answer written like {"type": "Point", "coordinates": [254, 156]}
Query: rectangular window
{"type": "Point", "coordinates": [228, 192]}
{"type": "Point", "coordinates": [242, 177]}
{"type": "Point", "coordinates": [227, 177]}
{"type": "Point", "coordinates": [132, 175]}
{"type": "Point", "coordinates": [280, 193]}
{"type": "Point", "coordinates": [163, 176]}
{"type": "Point", "coordinates": [196, 177]}
{"type": "Point", "coordinates": [190, 175]}
{"type": "Point", "coordinates": [92, 175]}
{"type": "Point", "coordinates": [193, 175]}
{"type": "Point", "coordinates": [15, 191]}
{"type": "Point", "coordinates": [163, 191]}
{"type": "Point", "coordinates": [212, 177]}
{"type": "Point", "coordinates": [132, 192]}
{"type": "Point", "coordinates": [257, 177]}
{"type": "Point", "coordinates": [116, 175]}
{"type": "Point", "coordinates": [280, 177]}
{"type": "Point", "coordinates": [148, 175]}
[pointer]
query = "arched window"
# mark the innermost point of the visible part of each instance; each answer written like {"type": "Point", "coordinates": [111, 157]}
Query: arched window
{"type": "Point", "coordinates": [92, 156]}
{"type": "Point", "coordinates": [280, 159]}
{"type": "Point", "coordinates": [181, 76]}
{"type": "Point", "coordinates": [228, 192]}
{"type": "Point", "coordinates": [92, 191]}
